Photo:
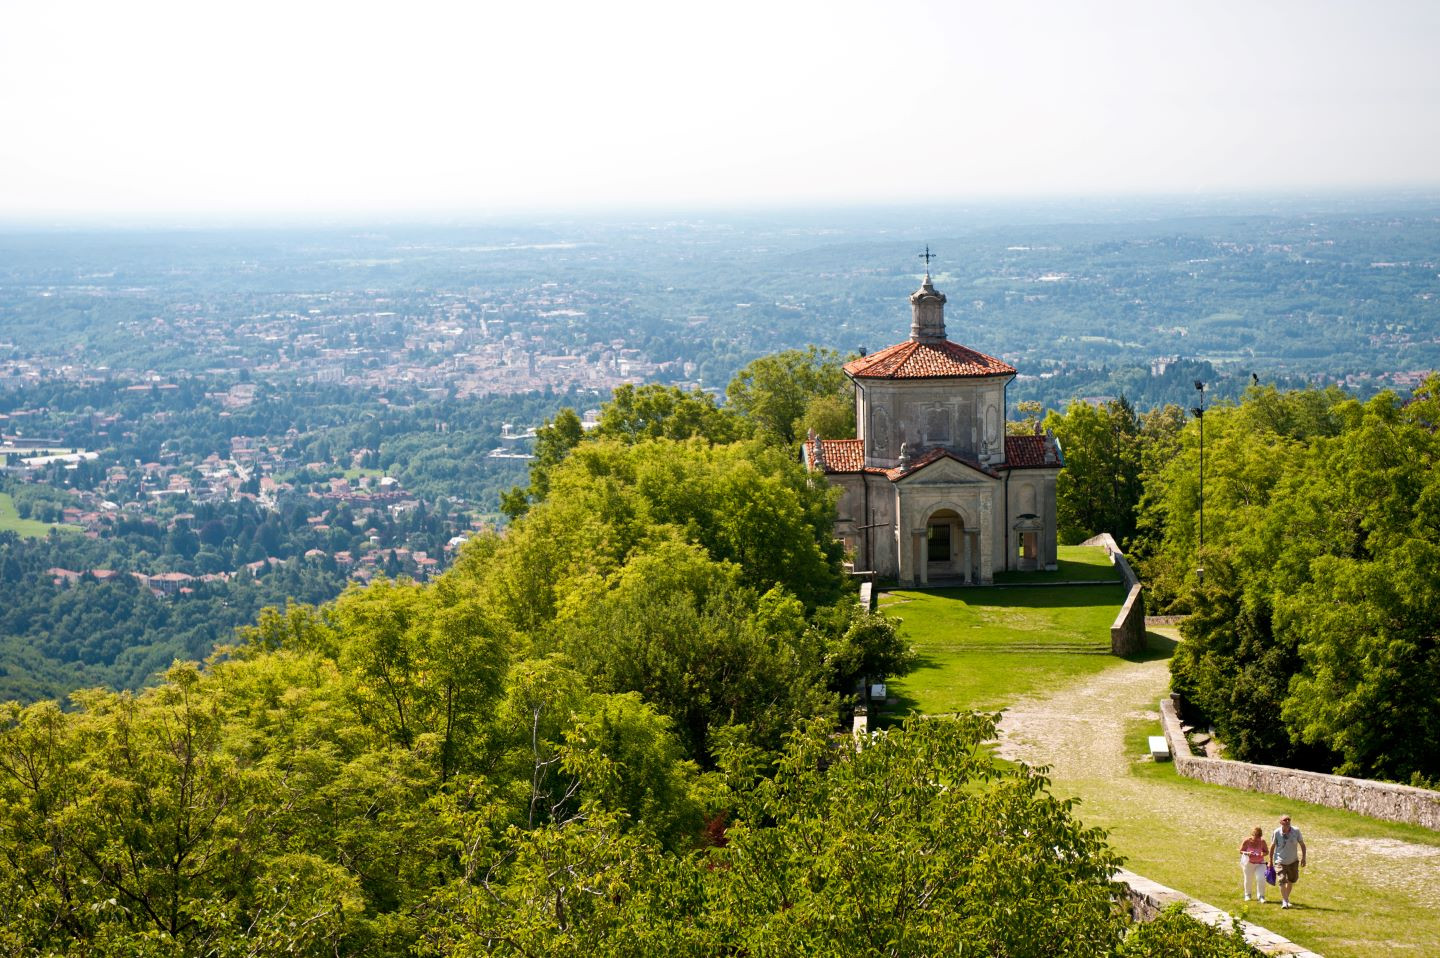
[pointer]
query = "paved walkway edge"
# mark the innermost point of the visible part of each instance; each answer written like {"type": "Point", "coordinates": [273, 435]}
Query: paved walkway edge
{"type": "Point", "coordinates": [1149, 898]}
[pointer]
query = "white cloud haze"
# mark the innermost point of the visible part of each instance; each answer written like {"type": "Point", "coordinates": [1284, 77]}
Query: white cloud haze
{"type": "Point", "coordinates": [353, 108]}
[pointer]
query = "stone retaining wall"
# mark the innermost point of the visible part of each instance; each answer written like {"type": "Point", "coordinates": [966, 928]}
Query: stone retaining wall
{"type": "Point", "coordinates": [1392, 803]}
{"type": "Point", "coordinates": [1148, 899]}
{"type": "Point", "coordinates": [1127, 632]}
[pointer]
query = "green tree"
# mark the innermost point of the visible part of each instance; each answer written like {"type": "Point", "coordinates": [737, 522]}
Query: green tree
{"type": "Point", "coordinates": [1319, 593]}
{"type": "Point", "coordinates": [633, 414]}
{"type": "Point", "coordinates": [1248, 449]}
{"type": "Point", "coordinates": [745, 503]}
{"type": "Point", "coordinates": [1099, 488]}
{"type": "Point", "coordinates": [1029, 413]}
{"type": "Point", "coordinates": [861, 647]}
{"type": "Point", "coordinates": [1356, 584]}
{"type": "Point", "coordinates": [553, 442]}
{"type": "Point", "coordinates": [684, 631]}
{"type": "Point", "coordinates": [653, 411]}
{"type": "Point", "coordinates": [1174, 934]}
{"type": "Point", "coordinates": [422, 661]}
{"type": "Point", "coordinates": [129, 823]}
{"type": "Point", "coordinates": [780, 393]}
{"type": "Point", "coordinates": [904, 844]}
{"type": "Point", "coordinates": [830, 417]}
{"type": "Point", "coordinates": [1234, 669]}
{"type": "Point", "coordinates": [1371, 649]}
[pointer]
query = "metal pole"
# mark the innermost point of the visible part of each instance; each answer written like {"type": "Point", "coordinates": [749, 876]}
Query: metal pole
{"type": "Point", "coordinates": [1199, 412]}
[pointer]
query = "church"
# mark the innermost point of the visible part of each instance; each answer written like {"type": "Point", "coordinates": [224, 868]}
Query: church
{"type": "Point", "coordinates": [932, 489]}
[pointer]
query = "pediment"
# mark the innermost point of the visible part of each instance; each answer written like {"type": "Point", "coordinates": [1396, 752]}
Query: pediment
{"type": "Point", "coordinates": [945, 470]}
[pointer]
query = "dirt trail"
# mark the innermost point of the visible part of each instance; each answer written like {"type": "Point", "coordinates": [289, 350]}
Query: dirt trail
{"type": "Point", "coordinates": [1079, 732]}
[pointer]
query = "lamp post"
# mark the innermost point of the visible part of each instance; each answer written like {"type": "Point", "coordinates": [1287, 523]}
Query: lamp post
{"type": "Point", "coordinates": [1199, 412]}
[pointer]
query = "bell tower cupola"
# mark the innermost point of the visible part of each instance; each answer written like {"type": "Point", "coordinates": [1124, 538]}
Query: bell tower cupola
{"type": "Point", "coordinates": [927, 310]}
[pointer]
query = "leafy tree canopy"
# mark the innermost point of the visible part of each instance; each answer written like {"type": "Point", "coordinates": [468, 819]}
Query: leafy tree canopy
{"type": "Point", "coordinates": [1320, 594]}
{"type": "Point", "coordinates": [788, 392]}
{"type": "Point", "coordinates": [1099, 487]}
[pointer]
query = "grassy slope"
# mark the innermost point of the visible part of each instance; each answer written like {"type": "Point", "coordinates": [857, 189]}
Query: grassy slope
{"type": "Point", "coordinates": [980, 648]}
{"type": "Point", "coordinates": [983, 649]}
{"type": "Point", "coordinates": [1342, 913]}
{"type": "Point", "coordinates": [10, 521]}
{"type": "Point", "coordinates": [973, 655]}
{"type": "Point", "coordinates": [1076, 564]}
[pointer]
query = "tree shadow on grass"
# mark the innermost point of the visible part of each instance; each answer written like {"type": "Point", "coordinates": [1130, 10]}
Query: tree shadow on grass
{"type": "Point", "coordinates": [1157, 646]}
{"type": "Point", "coordinates": [896, 712]}
{"type": "Point", "coordinates": [901, 704]}
{"type": "Point", "coordinates": [1069, 570]}
{"type": "Point", "coordinates": [1058, 596]}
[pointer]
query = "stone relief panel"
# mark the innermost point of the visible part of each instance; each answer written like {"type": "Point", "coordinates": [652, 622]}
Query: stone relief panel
{"type": "Point", "coordinates": [882, 442]}
{"type": "Point", "coordinates": [938, 430]}
{"type": "Point", "coordinates": [992, 430]}
{"type": "Point", "coordinates": [965, 433]}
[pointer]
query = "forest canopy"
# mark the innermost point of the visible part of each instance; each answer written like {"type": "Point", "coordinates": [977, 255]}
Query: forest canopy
{"type": "Point", "coordinates": [1313, 582]}
{"type": "Point", "coordinates": [613, 730]}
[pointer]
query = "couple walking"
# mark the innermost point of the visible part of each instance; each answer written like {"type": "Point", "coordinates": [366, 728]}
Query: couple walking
{"type": "Point", "coordinates": [1285, 854]}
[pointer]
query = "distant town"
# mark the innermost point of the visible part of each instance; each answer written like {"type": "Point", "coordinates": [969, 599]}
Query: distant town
{"type": "Point", "coordinates": [453, 349]}
{"type": "Point", "coordinates": [197, 424]}
{"type": "Point", "coordinates": [448, 344]}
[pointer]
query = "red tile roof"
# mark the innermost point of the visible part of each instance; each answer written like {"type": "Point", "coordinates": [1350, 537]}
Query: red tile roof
{"type": "Point", "coordinates": [841, 455]}
{"type": "Point", "coordinates": [1027, 452]}
{"type": "Point", "coordinates": [922, 360]}
{"type": "Point", "coordinates": [848, 455]}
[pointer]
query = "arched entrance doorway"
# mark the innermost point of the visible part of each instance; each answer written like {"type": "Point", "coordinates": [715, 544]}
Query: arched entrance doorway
{"type": "Point", "coordinates": [950, 548]}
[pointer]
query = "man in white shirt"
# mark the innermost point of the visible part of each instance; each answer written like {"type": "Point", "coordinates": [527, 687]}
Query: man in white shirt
{"type": "Point", "coordinates": [1287, 857]}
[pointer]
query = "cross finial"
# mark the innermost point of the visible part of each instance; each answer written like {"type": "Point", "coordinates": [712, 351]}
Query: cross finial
{"type": "Point", "coordinates": [927, 256]}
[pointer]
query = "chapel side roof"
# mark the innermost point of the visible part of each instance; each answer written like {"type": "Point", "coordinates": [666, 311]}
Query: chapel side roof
{"type": "Point", "coordinates": [837, 455]}
{"type": "Point", "coordinates": [927, 360]}
{"type": "Point", "coordinates": [1029, 452]}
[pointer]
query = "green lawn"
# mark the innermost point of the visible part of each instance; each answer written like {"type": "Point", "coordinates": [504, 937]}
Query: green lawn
{"type": "Point", "coordinates": [1182, 833]}
{"type": "Point", "coordinates": [10, 521]}
{"type": "Point", "coordinates": [1076, 564]}
{"type": "Point", "coordinates": [984, 648]}
{"type": "Point", "coordinates": [980, 648]}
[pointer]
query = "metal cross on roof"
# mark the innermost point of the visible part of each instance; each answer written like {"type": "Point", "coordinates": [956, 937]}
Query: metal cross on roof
{"type": "Point", "coordinates": [927, 256]}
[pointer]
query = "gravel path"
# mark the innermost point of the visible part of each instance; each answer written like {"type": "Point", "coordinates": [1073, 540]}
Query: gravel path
{"type": "Point", "coordinates": [1079, 733]}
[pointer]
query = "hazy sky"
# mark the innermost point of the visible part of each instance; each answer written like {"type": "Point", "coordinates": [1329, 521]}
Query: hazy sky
{"type": "Point", "coordinates": [412, 107]}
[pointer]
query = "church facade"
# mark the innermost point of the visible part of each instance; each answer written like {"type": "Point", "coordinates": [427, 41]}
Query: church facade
{"type": "Point", "coordinates": [932, 489]}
